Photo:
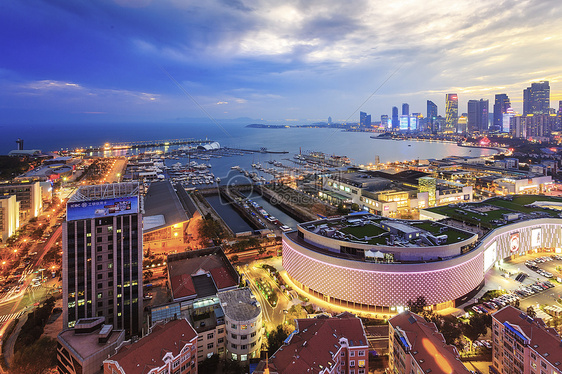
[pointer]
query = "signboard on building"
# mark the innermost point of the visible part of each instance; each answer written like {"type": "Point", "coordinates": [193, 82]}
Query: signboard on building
{"type": "Point", "coordinates": [102, 208]}
{"type": "Point", "coordinates": [490, 255]}
{"type": "Point", "coordinates": [514, 242]}
{"type": "Point", "coordinates": [536, 238]}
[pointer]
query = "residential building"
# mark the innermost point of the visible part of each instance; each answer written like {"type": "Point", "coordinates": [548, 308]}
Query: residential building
{"type": "Point", "coordinates": [416, 346]}
{"type": "Point", "coordinates": [324, 346]}
{"type": "Point", "coordinates": [364, 119]}
{"type": "Point", "coordinates": [521, 344]}
{"type": "Point", "coordinates": [243, 320]}
{"type": "Point", "coordinates": [168, 348]}
{"type": "Point", "coordinates": [102, 256]}
{"type": "Point", "coordinates": [82, 349]}
{"type": "Point", "coordinates": [501, 106]}
{"type": "Point", "coordinates": [28, 194]}
{"type": "Point", "coordinates": [451, 113]}
{"type": "Point", "coordinates": [206, 315]}
{"type": "Point", "coordinates": [9, 216]}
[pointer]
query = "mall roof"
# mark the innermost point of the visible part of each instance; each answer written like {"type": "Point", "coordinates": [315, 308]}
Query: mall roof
{"type": "Point", "coordinates": [427, 345]}
{"type": "Point", "coordinates": [148, 353]}
{"type": "Point", "coordinates": [162, 200]}
{"type": "Point", "coordinates": [315, 342]}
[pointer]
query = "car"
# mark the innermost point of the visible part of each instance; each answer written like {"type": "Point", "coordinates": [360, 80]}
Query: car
{"type": "Point", "coordinates": [476, 309]}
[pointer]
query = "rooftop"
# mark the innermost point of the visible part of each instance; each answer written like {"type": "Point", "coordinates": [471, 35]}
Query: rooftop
{"type": "Point", "coordinates": [105, 191]}
{"type": "Point", "coordinates": [200, 273]}
{"type": "Point", "coordinates": [370, 229]}
{"type": "Point", "coordinates": [240, 304]}
{"type": "Point", "coordinates": [147, 353]}
{"type": "Point", "coordinates": [85, 344]}
{"type": "Point", "coordinates": [162, 200]}
{"type": "Point", "coordinates": [542, 339]}
{"type": "Point", "coordinates": [315, 342]}
{"type": "Point", "coordinates": [489, 213]}
{"type": "Point", "coordinates": [427, 345]}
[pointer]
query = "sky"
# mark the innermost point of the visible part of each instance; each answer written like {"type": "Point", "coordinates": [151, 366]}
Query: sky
{"type": "Point", "coordinates": [294, 61]}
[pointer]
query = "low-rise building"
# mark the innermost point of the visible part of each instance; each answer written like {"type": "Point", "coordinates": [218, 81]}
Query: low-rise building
{"type": "Point", "coordinates": [168, 348]}
{"type": "Point", "coordinates": [521, 344]}
{"type": "Point", "coordinates": [243, 321]}
{"type": "Point", "coordinates": [323, 346]}
{"type": "Point", "coordinates": [416, 346]}
{"type": "Point", "coordinates": [28, 194]}
{"type": "Point", "coordinates": [82, 349]}
{"type": "Point", "coordinates": [200, 273]}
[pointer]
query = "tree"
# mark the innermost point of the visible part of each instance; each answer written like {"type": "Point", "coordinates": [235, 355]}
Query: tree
{"type": "Point", "coordinates": [418, 305]}
{"type": "Point", "coordinates": [531, 312]}
{"type": "Point", "coordinates": [477, 326]}
{"type": "Point", "coordinates": [276, 338]}
{"type": "Point", "coordinates": [36, 358]}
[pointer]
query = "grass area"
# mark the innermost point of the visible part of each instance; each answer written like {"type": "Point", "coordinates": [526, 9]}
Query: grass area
{"type": "Point", "coordinates": [453, 236]}
{"type": "Point", "coordinates": [516, 205]}
{"type": "Point", "coordinates": [361, 231]}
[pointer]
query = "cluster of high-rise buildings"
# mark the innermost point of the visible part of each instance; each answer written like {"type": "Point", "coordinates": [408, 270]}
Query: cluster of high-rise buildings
{"type": "Point", "coordinates": [537, 121]}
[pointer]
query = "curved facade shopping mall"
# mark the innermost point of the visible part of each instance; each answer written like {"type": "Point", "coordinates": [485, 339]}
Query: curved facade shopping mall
{"type": "Point", "coordinates": [368, 262]}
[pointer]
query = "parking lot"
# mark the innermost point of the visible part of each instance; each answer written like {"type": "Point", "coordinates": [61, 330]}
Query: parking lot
{"type": "Point", "coordinates": [530, 280]}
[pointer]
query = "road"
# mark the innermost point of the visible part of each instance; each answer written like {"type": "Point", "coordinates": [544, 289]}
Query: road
{"type": "Point", "coordinates": [272, 315]}
{"type": "Point", "coordinates": [23, 296]}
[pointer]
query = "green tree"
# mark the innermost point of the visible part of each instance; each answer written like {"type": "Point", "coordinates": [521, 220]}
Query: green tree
{"type": "Point", "coordinates": [477, 326]}
{"type": "Point", "coordinates": [531, 312]}
{"type": "Point", "coordinates": [276, 338]}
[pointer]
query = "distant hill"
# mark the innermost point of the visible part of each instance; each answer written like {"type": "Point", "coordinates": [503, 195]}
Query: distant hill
{"type": "Point", "coordinates": [264, 126]}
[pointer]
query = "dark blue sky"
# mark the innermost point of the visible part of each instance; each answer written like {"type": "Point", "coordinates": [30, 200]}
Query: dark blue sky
{"type": "Point", "coordinates": [119, 61]}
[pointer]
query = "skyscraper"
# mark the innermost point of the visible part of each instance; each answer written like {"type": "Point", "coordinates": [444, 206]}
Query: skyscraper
{"type": "Point", "coordinates": [431, 116]}
{"type": "Point", "coordinates": [431, 109]}
{"type": "Point", "coordinates": [477, 116]}
{"type": "Point", "coordinates": [405, 109]}
{"type": "Point", "coordinates": [384, 121]}
{"type": "Point", "coordinates": [536, 99]}
{"type": "Point", "coordinates": [102, 256]}
{"type": "Point", "coordinates": [559, 117]}
{"type": "Point", "coordinates": [329, 120]}
{"type": "Point", "coordinates": [395, 120]}
{"type": "Point", "coordinates": [364, 119]}
{"type": "Point", "coordinates": [451, 113]}
{"type": "Point", "coordinates": [501, 105]}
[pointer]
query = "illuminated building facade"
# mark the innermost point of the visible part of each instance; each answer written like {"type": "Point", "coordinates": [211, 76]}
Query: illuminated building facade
{"type": "Point", "coordinates": [395, 119]}
{"type": "Point", "coordinates": [521, 344]}
{"type": "Point", "coordinates": [451, 113]}
{"type": "Point", "coordinates": [102, 256]}
{"type": "Point", "coordinates": [416, 346]}
{"type": "Point", "coordinates": [9, 217]}
{"type": "Point", "coordinates": [28, 194]}
{"type": "Point", "coordinates": [331, 259]}
{"type": "Point", "coordinates": [429, 185]}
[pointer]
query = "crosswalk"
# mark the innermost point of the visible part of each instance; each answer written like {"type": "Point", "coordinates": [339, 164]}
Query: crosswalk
{"type": "Point", "coordinates": [7, 317]}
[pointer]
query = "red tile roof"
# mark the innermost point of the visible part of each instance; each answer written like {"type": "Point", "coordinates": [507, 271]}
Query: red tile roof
{"type": "Point", "coordinates": [315, 342]}
{"type": "Point", "coordinates": [428, 347]}
{"type": "Point", "coordinates": [147, 353]}
{"type": "Point", "coordinates": [182, 286]}
{"type": "Point", "coordinates": [544, 340]}
{"type": "Point", "coordinates": [222, 278]}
